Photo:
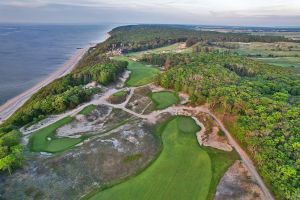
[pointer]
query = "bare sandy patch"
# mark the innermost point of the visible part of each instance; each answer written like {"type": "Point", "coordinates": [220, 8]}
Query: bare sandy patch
{"type": "Point", "coordinates": [238, 184]}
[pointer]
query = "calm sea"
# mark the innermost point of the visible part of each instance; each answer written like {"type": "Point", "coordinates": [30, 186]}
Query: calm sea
{"type": "Point", "coordinates": [29, 53]}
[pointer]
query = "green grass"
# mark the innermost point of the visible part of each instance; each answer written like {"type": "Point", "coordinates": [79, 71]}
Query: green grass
{"type": "Point", "coordinates": [282, 61]}
{"type": "Point", "coordinates": [140, 73]}
{"type": "Point", "coordinates": [39, 141]}
{"type": "Point", "coordinates": [173, 48]}
{"type": "Point", "coordinates": [164, 99]}
{"type": "Point", "coordinates": [282, 55]}
{"type": "Point", "coordinates": [121, 93]}
{"type": "Point", "coordinates": [167, 49]}
{"type": "Point", "coordinates": [87, 110]}
{"type": "Point", "coordinates": [220, 162]}
{"type": "Point", "coordinates": [183, 170]}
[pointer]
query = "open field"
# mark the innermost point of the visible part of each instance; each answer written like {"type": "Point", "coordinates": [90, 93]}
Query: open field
{"type": "Point", "coordinates": [140, 73]}
{"type": "Point", "coordinates": [182, 171]}
{"type": "Point", "coordinates": [164, 99]}
{"type": "Point", "coordinates": [87, 110]}
{"type": "Point", "coordinates": [174, 48]}
{"type": "Point", "coordinates": [282, 61]}
{"type": "Point", "coordinates": [44, 140]}
{"type": "Point", "coordinates": [285, 54]}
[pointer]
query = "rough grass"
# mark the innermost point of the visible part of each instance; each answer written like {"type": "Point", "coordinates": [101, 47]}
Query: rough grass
{"type": "Point", "coordinates": [87, 110]}
{"type": "Point", "coordinates": [182, 171]}
{"type": "Point", "coordinates": [118, 97]}
{"type": "Point", "coordinates": [133, 157]}
{"type": "Point", "coordinates": [39, 141]}
{"type": "Point", "coordinates": [164, 99]}
{"type": "Point", "coordinates": [120, 93]}
{"type": "Point", "coordinates": [166, 49]}
{"type": "Point", "coordinates": [282, 61]}
{"type": "Point", "coordinates": [284, 54]}
{"type": "Point", "coordinates": [140, 73]}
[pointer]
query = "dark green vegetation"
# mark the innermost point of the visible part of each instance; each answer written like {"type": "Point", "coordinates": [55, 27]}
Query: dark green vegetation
{"type": "Point", "coordinates": [264, 98]}
{"type": "Point", "coordinates": [87, 110]}
{"type": "Point", "coordinates": [140, 74]}
{"type": "Point", "coordinates": [164, 99]}
{"type": "Point", "coordinates": [182, 171]}
{"type": "Point", "coordinates": [11, 154]}
{"type": "Point", "coordinates": [44, 140]}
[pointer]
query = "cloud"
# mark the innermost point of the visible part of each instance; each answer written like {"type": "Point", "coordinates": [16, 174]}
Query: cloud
{"type": "Point", "coordinates": [153, 11]}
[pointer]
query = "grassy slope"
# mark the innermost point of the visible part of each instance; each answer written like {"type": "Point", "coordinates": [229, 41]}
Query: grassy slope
{"type": "Point", "coordinates": [120, 93]}
{"type": "Point", "coordinates": [182, 171]}
{"type": "Point", "coordinates": [87, 110]}
{"type": "Point", "coordinates": [164, 99]}
{"type": "Point", "coordinates": [39, 143]}
{"type": "Point", "coordinates": [140, 73]}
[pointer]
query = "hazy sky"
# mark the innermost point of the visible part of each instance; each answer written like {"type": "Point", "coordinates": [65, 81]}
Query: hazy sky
{"type": "Point", "coordinates": [216, 12]}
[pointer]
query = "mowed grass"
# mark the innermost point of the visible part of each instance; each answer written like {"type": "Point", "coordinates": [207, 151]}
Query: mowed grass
{"type": "Point", "coordinates": [87, 110]}
{"type": "Point", "coordinates": [44, 140]}
{"type": "Point", "coordinates": [164, 99]}
{"type": "Point", "coordinates": [182, 171]}
{"type": "Point", "coordinates": [140, 73]}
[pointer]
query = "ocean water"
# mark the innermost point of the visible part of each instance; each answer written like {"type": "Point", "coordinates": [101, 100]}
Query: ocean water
{"type": "Point", "coordinates": [29, 53]}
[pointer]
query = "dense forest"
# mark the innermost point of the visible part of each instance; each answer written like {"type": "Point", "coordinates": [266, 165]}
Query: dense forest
{"type": "Point", "coordinates": [266, 100]}
{"type": "Point", "coordinates": [62, 94]}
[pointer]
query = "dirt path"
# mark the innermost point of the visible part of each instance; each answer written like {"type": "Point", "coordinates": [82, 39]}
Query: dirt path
{"type": "Point", "coordinates": [244, 156]}
{"type": "Point", "coordinates": [7, 109]}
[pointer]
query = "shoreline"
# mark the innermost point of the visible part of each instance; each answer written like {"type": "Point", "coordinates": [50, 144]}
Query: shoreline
{"type": "Point", "coordinates": [10, 106]}
{"type": "Point", "coordinates": [13, 104]}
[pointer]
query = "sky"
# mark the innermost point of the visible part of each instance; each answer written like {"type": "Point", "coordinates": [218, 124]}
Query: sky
{"type": "Point", "coordinates": [205, 12]}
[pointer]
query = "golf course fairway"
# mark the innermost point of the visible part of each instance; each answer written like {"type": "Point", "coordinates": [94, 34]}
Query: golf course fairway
{"type": "Point", "coordinates": [182, 171]}
{"type": "Point", "coordinates": [164, 99]}
{"type": "Point", "coordinates": [44, 140]}
{"type": "Point", "coordinates": [140, 74]}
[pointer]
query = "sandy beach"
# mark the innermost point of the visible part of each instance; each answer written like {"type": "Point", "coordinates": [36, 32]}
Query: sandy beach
{"type": "Point", "coordinates": [9, 107]}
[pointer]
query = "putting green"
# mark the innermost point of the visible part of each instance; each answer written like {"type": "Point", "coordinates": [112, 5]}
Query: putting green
{"type": "Point", "coordinates": [182, 171]}
{"type": "Point", "coordinates": [44, 140]}
{"type": "Point", "coordinates": [140, 73]}
{"type": "Point", "coordinates": [164, 99]}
